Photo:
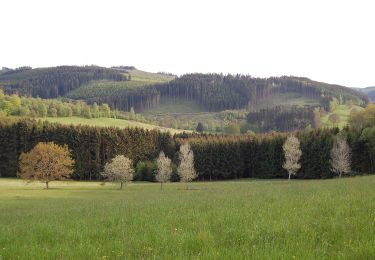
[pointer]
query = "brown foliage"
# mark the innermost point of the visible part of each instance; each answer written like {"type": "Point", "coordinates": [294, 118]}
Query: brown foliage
{"type": "Point", "coordinates": [46, 162]}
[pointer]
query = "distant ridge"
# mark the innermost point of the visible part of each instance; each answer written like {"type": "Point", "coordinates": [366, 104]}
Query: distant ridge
{"type": "Point", "coordinates": [369, 91]}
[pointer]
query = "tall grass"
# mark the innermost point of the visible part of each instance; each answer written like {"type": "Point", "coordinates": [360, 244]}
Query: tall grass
{"type": "Point", "coordinates": [318, 219]}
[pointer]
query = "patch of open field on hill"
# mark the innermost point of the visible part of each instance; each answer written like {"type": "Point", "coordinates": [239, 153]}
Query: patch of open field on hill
{"type": "Point", "coordinates": [107, 122]}
{"type": "Point", "coordinates": [343, 112]}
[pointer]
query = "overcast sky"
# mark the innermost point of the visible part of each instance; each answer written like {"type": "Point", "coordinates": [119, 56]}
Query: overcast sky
{"type": "Point", "coordinates": [326, 40]}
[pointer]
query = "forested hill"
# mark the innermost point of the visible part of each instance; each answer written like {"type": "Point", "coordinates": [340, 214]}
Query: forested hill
{"type": "Point", "coordinates": [125, 87]}
{"type": "Point", "coordinates": [214, 92]}
{"type": "Point", "coordinates": [55, 81]}
{"type": "Point", "coordinates": [219, 92]}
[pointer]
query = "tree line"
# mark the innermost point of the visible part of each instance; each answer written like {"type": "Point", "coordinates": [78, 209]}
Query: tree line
{"type": "Point", "coordinates": [91, 147]}
{"type": "Point", "coordinates": [15, 105]}
{"type": "Point", "coordinates": [215, 156]}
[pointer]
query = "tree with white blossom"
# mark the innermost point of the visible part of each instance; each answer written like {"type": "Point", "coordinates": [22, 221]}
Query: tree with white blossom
{"type": "Point", "coordinates": [292, 153]}
{"type": "Point", "coordinates": [186, 169]}
{"type": "Point", "coordinates": [164, 169]}
{"type": "Point", "coordinates": [340, 156]}
{"type": "Point", "coordinates": [120, 169]}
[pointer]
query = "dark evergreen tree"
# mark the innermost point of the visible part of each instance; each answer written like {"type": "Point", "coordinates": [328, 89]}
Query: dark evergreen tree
{"type": "Point", "coordinates": [200, 128]}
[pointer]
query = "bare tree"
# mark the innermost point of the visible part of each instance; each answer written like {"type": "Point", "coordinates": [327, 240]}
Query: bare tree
{"type": "Point", "coordinates": [120, 169]}
{"type": "Point", "coordinates": [292, 153]}
{"type": "Point", "coordinates": [164, 169]}
{"type": "Point", "coordinates": [340, 156]}
{"type": "Point", "coordinates": [46, 162]}
{"type": "Point", "coordinates": [186, 169]}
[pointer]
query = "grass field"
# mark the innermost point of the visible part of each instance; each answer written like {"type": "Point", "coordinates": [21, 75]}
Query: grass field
{"type": "Point", "coordinates": [107, 122]}
{"type": "Point", "coordinates": [268, 219]}
{"type": "Point", "coordinates": [343, 111]}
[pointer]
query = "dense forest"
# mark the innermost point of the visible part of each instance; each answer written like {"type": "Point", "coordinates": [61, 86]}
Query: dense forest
{"type": "Point", "coordinates": [282, 119]}
{"type": "Point", "coordinates": [216, 92]}
{"type": "Point", "coordinates": [53, 82]}
{"type": "Point", "coordinates": [216, 156]}
{"type": "Point", "coordinates": [219, 92]}
{"type": "Point", "coordinates": [121, 95]}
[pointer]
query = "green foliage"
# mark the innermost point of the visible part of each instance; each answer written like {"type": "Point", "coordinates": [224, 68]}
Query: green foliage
{"type": "Point", "coordinates": [36, 107]}
{"type": "Point", "coordinates": [361, 118]}
{"type": "Point", "coordinates": [233, 129]}
{"type": "Point", "coordinates": [91, 147]}
{"type": "Point", "coordinates": [215, 156]}
{"type": "Point", "coordinates": [146, 171]}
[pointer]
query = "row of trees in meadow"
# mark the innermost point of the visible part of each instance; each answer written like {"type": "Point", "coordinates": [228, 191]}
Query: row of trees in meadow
{"type": "Point", "coordinates": [215, 156]}
{"type": "Point", "coordinates": [48, 162]}
{"type": "Point", "coordinates": [91, 147]}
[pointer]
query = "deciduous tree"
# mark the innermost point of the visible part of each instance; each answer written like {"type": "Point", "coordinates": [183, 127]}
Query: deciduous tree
{"type": "Point", "coordinates": [292, 153]}
{"type": "Point", "coordinates": [164, 169]}
{"type": "Point", "coordinates": [46, 162]}
{"type": "Point", "coordinates": [186, 169]}
{"type": "Point", "coordinates": [120, 169]}
{"type": "Point", "coordinates": [340, 156]}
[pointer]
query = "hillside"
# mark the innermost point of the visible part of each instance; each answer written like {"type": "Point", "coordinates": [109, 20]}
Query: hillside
{"type": "Point", "coordinates": [214, 92]}
{"type": "Point", "coordinates": [55, 81]}
{"type": "Point", "coordinates": [138, 91]}
{"type": "Point", "coordinates": [216, 100]}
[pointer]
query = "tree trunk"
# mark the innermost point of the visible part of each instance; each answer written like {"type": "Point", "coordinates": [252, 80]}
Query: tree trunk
{"type": "Point", "coordinates": [47, 185]}
{"type": "Point", "coordinates": [340, 175]}
{"type": "Point", "coordinates": [289, 177]}
{"type": "Point", "coordinates": [121, 186]}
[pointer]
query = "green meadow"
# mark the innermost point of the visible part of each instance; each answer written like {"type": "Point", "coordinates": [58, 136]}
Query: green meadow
{"type": "Point", "coordinates": [107, 122]}
{"type": "Point", "coordinates": [253, 219]}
